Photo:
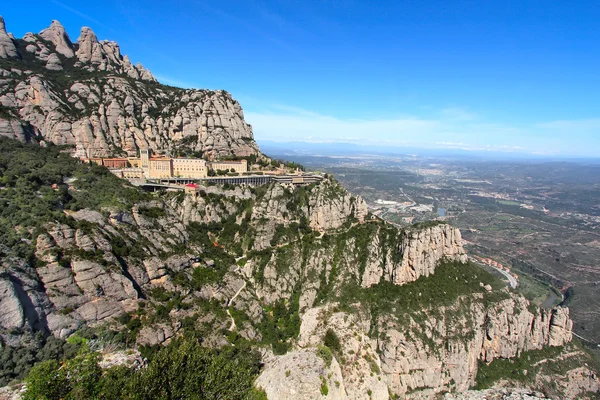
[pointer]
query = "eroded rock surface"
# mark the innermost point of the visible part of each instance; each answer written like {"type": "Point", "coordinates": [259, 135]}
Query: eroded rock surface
{"type": "Point", "coordinates": [111, 107]}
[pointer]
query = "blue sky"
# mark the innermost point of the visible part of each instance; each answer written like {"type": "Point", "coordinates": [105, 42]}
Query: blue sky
{"type": "Point", "coordinates": [497, 75]}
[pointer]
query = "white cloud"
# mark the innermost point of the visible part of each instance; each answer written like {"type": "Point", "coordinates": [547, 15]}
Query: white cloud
{"type": "Point", "coordinates": [454, 128]}
{"type": "Point", "coordinates": [302, 126]}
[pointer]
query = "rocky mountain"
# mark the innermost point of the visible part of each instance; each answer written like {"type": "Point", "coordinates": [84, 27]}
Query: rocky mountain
{"type": "Point", "coordinates": [334, 302]}
{"type": "Point", "coordinates": [89, 95]}
{"type": "Point", "coordinates": [337, 300]}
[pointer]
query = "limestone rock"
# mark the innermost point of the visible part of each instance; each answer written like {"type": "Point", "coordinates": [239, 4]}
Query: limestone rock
{"type": "Point", "coordinates": [127, 358]}
{"type": "Point", "coordinates": [87, 43]}
{"type": "Point", "coordinates": [7, 46]}
{"type": "Point", "coordinates": [59, 38]}
{"type": "Point", "coordinates": [333, 205]}
{"type": "Point", "coordinates": [115, 114]}
{"type": "Point", "coordinates": [12, 129]}
{"type": "Point", "coordinates": [11, 312]}
{"type": "Point", "coordinates": [301, 375]}
{"type": "Point", "coordinates": [429, 354]}
{"type": "Point", "coordinates": [499, 394]}
{"type": "Point", "coordinates": [423, 249]}
{"type": "Point", "coordinates": [54, 63]}
{"type": "Point", "coordinates": [153, 335]}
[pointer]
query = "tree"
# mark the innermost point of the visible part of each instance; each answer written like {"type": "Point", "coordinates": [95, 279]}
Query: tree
{"type": "Point", "coordinates": [46, 381]}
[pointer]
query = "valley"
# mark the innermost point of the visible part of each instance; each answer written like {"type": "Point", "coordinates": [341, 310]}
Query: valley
{"type": "Point", "coordinates": [538, 218]}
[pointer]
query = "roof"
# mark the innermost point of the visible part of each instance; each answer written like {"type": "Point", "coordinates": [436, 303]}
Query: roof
{"type": "Point", "coordinates": [192, 185]}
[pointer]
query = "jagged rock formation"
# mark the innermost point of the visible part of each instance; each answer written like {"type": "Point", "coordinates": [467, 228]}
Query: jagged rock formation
{"type": "Point", "coordinates": [447, 350]}
{"type": "Point", "coordinates": [331, 207]}
{"type": "Point", "coordinates": [279, 266]}
{"type": "Point", "coordinates": [421, 250]}
{"type": "Point", "coordinates": [89, 95]}
{"type": "Point", "coordinates": [7, 47]}
{"type": "Point", "coordinates": [86, 281]}
{"type": "Point", "coordinates": [302, 375]}
{"type": "Point", "coordinates": [422, 353]}
{"type": "Point", "coordinates": [499, 394]}
{"type": "Point", "coordinates": [97, 265]}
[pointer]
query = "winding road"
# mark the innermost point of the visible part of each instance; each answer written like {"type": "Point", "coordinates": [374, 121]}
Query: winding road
{"type": "Point", "coordinates": [511, 279]}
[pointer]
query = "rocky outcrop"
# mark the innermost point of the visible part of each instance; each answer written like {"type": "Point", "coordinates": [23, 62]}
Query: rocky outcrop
{"type": "Point", "coordinates": [7, 46]}
{"type": "Point", "coordinates": [497, 394]}
{"type": "Point", "coordinates": [331, 206]}
{"type": "Point", "coordinates": [94, 55]}
{"type": "Point", "coordinates": [302, 375]}
{"type": "Point", "coordinates": [420, 251]}
{"type": "Point", "coordinates": [430, 351]}
{"type": "Point", "coordinates": [23, 302]}
{"type": "Point", "coordinates": [443, 352]}
{"type": "Point", "coordinates": [79, 278]}
{"type": "Point", "coordinates": [57, 35]}
{"type": "Point", "coordinates": [361, 367]}
{"type": "Point", "coordinates": [110, 106]}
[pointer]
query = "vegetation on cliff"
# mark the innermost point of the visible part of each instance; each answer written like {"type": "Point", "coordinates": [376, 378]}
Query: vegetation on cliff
{"type": "Point", "coordinates": [533, 367]}
{"type": "Point", "coordinates": [34, 191]}
{"type": "Point", "coordinates": [181, 370]}
{"type": "Point", "coordinates": [230, 265]}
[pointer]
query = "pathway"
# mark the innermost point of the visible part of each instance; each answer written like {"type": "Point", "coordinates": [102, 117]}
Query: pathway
{"type": "Point", "coordinates": [232, 327]}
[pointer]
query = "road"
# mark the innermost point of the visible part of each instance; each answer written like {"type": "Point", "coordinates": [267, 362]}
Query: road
{"type": "Point", "coordinates": [511, 279]}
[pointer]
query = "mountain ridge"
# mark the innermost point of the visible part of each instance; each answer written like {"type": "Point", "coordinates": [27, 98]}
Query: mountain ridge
{"type": "Point", "coordinates": [340, 304]}
{"type": "Point", "coordinates": [88, 95]}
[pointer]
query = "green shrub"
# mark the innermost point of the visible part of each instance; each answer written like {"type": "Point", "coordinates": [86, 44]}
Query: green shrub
{"type": "Point", "coordinates": [332, 340]}
{"type": "Point", "coordinates": [46, 381]}
{"type": "Point", "coordinates": [182, 370]}
{"type": "Point", "coordinates": [325, 353]}
{"type": "Point", "coordinates": [324, 388]}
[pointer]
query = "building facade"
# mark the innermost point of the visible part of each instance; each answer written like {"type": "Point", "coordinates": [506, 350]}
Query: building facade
{"type": "Point", "coordinates": [158, 167]}
{"type": "Point", "coordinates": [189, 168]}
{"type": "Point", "coordinates": [238, 166]}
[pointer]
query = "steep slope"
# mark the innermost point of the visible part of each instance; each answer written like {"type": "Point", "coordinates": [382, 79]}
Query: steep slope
{"type": "Point", "coordinates": [257, 266]}
{"type": "Point", "coordinates": [340, 304]}
{"type": "Point", "coordinates": [89, 95]}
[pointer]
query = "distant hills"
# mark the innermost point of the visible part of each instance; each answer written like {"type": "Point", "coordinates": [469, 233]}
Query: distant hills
{"type": "Point", "coordinates": [344, 148]}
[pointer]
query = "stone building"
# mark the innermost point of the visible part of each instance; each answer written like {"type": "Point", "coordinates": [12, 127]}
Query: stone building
{"type": "Point", "coordinates": [115, 162]}
{"type": "Point", "coordinates": [189, 168]}
{"type": "Point", "coordinates": [238, 166]}
{"type": "Point", "coordinates": [159, 167]}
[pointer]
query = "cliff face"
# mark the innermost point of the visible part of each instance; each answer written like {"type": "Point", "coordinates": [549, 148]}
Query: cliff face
{"type": "Point", "coordinates": [89, 95]}
{"type": "Point", "coordinates": [446, 353]}
{"type": "Point", "coordinates": [279, 266]}
{"type": "Point", "coordinates": [83, 277]}
{"type": "Point", "coordinates": [421, 250]}
{"type": "Point", "coordinates": [422, 354]}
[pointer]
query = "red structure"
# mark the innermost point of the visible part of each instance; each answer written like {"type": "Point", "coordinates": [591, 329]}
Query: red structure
{"type": "Point", "coordinates": [191, 188]}
{"type": "Point", "coordinates": [115, 162]}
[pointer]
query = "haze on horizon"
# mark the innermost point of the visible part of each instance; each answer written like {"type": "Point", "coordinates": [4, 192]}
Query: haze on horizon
{"type": "Point", "coordinates": [500, 76]}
